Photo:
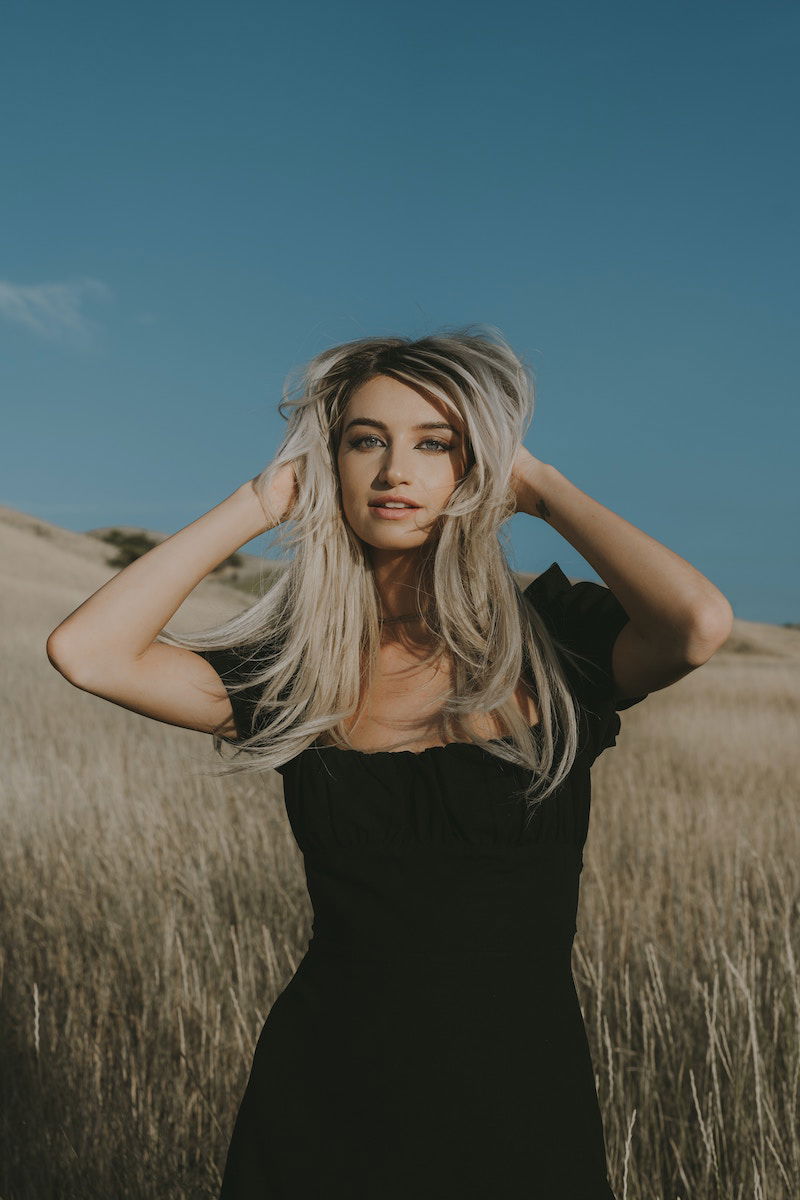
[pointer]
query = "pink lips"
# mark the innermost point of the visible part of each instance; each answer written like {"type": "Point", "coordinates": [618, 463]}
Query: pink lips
{"type": "Point", "coordinates": [396, 498]}
{"type": "Point", "coordinates": [391, 514]}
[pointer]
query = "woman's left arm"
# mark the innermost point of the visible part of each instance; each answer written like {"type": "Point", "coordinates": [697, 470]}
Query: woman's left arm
{"type": "Point", "coordinates": [678, 618]}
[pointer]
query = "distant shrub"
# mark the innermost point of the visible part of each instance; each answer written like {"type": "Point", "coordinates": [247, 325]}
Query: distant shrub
{"type": "Point", "coordinates": [131, 546]}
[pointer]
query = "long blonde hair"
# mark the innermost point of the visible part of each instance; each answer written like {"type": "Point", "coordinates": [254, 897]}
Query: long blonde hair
{"type": "Point", "coordinates": [311, 641]}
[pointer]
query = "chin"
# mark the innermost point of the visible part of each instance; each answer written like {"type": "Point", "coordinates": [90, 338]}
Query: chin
{"type": "Point", "coordinates": [391, 539]}
{"type": "Point", "coordinates": [395, 543]}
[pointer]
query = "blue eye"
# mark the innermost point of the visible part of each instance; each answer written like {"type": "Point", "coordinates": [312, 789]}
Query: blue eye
{"type": "Point", "coordinates": [440, 446]}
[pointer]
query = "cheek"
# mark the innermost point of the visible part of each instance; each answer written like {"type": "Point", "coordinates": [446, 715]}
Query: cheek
{"type": "Point", "coordinates": [349, 491]}
{"type": "Point", "coordinates": [449, 476]}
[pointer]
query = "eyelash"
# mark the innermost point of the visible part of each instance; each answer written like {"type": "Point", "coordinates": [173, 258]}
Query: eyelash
{"type": "Point", "coordinates": [368, 437]}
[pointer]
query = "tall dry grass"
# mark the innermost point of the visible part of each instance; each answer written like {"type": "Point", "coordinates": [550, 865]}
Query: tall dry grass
{"type": "Point", "coordinates": [150, 917]}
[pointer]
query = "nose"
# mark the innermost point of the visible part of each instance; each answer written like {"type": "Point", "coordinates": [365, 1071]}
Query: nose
{"type": "Point", "coordinates": [393, 470]}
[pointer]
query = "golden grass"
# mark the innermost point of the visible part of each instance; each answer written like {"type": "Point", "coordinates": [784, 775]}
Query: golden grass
{"type": "Point", "coordinates": [151, 916]}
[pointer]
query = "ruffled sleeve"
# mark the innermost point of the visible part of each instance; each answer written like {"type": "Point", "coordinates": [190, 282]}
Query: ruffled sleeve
{"type": "Point", "coordinates": [234, 666]}
{"type": "Point", "coordinates": [586, 617]}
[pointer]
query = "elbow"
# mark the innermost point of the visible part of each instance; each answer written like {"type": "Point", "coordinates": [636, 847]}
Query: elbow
{"type": "Point", "coordinates": [51, 651]}
{"type": "Point", "coordinates": [58, 656]}
{"type": "Point", "coordinates": [709, 630]}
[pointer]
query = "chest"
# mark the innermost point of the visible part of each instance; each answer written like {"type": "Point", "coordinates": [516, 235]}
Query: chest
{"type": "Point", "coordinates": [402, 708]}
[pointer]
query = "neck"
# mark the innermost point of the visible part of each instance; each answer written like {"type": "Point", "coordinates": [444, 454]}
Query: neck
{"type": "Point", "coordinates": [396, 575]}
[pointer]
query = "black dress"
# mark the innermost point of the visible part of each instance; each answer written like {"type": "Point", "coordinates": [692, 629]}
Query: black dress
{"type": "Point", "coordinates": [431, 1043]}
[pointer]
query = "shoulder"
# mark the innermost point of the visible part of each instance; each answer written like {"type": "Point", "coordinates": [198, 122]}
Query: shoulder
{"type": "Point", "coordinates": [238, 666]}
{"type": "Point", "coordinates": [585, 619]}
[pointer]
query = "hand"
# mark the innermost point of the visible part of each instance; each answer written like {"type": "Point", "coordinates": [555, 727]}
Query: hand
{"type": "Point", "coordinates": [525, 473]}
{"type": "Point", "coordinates": [278, 494]}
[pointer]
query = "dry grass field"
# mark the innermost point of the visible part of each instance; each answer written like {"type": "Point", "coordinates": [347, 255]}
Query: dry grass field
{"type": "Point", "coordinates": [151, 915]}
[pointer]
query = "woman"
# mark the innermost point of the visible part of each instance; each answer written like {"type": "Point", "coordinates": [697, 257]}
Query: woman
{"type": "Point", "coordinates": [435, 729]}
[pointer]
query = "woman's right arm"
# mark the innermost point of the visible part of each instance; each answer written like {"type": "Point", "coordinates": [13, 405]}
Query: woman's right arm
{"type": "Point", "coordinates": [107, 645]}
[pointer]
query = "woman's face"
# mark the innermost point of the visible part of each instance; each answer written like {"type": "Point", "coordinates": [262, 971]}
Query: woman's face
{"type": "Point", "coordinates": [383, 453]}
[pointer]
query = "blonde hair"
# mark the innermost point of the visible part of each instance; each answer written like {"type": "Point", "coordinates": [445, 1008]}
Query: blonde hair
{"type": "Point", "coordinates": [310, 642]}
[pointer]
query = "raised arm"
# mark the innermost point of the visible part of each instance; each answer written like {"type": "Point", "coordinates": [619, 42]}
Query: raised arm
{"type": "Point", "coordinates": [678, 617]}
{"type": "Point", "coordinates": [107, 645]}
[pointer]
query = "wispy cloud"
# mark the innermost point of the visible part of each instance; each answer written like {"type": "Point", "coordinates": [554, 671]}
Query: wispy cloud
{"type": "Point", "coordinates": [53, 311]}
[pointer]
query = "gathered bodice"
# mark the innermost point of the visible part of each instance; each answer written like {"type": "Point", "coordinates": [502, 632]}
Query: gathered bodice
{"type": "Point", "coordinates": [410, 853]}
{"type": "Point", "coordinates": [447, 797]}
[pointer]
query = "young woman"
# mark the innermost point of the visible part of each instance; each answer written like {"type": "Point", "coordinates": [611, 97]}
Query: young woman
{"type": "Point", "coordinates": [435, 728]}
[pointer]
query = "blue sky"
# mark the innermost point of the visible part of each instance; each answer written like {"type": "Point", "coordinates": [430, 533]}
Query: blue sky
{"type": "Point", "coordinates": [200, 197]}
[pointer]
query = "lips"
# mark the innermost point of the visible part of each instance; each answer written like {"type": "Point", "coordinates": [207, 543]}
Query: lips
{"type": "Point", "coordinates": [392, 500]}
{"type": "Point", "coordinates": [397, 511]}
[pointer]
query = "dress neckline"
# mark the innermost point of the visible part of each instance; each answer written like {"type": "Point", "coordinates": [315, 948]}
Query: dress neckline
{"type": "Point", "coordinates": [415, 753]}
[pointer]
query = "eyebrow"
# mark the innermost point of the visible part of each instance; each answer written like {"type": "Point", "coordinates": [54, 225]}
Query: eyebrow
{"type": "Point", "coordinates": [381, 425]}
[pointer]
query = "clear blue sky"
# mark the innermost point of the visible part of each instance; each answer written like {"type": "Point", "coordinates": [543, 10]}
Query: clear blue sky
{"type": "Point", "coordinates": [199, 197]}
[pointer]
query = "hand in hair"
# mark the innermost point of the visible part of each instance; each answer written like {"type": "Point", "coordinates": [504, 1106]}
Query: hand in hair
{"type": "Point", "coordinates": [277, 490]}
{"type": "Point", "coordinates": [525, 472]}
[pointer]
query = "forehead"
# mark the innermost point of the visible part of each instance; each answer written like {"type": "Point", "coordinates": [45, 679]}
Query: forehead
{"type": "Point", "coordinates": [398, 406]}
